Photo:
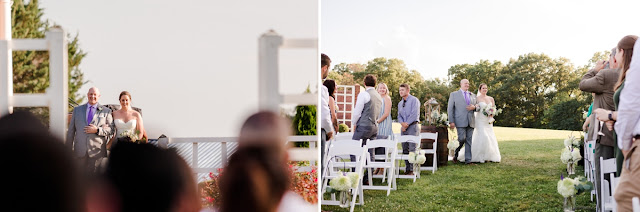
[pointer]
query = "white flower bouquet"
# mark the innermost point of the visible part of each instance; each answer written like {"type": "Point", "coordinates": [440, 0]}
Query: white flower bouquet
{"type": "Point", "coordinates": [572, 142]}
{"type": "Point", "coordinates": [452, 146]}
{"type": "Point", "coordinates": [439, 119]}
{"type": "Point", "coordinates": [129, 134]}
{"type": "Point", "coordinates": [490, 111]}
{"type": "Point", "coordinates": [344, 182]}
{"type": "Point", "coordinates": [568, 187]}
{"type": "Point", "coordinates": [570, 156]}
{"type": "Point", "coordinates": [417, 157]}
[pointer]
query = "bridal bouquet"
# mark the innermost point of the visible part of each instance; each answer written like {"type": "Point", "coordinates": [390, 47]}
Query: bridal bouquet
{"type": "Point", "coordinates": [439, 119]}
{"type": "Point", "coordinates": [130, 136]}
{"type": "Point", "coordinates": [491, 111]}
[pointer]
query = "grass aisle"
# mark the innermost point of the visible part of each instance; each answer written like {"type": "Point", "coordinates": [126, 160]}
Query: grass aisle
{"type": "Point", "coordinates": [525, 180]}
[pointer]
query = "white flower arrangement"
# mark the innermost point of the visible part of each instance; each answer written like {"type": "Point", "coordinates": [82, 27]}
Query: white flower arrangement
{"type": "Point", "coordinates": [568, 155]}
{"type": "Point", "coordinates": [133, 136]}
{"type": "Point", "coordinates": [491, 111]}
{"type": "Point", "coordinates": [453, 145]}
{"type": "Point", "coordinates": [572, 142]}
{"type": "Point", "coordinates": [439, 119]}
{"type": "Point", "coordinates": [344, 181]}
{"type": "Point", "coordinates": [417, 157]}
{"type": "Point", "coordinates": [568, 187]}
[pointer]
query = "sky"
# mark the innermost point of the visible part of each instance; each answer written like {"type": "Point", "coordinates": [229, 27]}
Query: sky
{"type": "Point", "coordinates": [192, 66]}
{"type": "Point", "coordinates": [431, 36]}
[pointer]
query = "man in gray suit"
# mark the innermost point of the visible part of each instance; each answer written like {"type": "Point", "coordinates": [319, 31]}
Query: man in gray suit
{"type": "Point", "coordinates": [365, 116]}
{"type": "Point", "coordinates": [90, 126]}
{"type": "Point", "coordinates": [462, 104]}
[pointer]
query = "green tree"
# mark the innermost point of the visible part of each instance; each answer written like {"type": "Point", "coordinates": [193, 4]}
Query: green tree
{"type": "Point", "coordinates": [31, 68]}
{"type": "Point", "coordinates": [304, 122]}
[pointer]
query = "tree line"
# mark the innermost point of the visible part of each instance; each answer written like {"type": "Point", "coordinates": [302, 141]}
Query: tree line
{"type": "Point", "coordinates": [533, 90]}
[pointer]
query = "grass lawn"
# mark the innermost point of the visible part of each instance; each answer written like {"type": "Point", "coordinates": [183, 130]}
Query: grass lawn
{"type": "Point", "coordinates": [525, 180]}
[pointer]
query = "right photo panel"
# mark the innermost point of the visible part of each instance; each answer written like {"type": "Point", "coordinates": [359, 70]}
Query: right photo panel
{"type": "Point", "coordinates": [479, 105]}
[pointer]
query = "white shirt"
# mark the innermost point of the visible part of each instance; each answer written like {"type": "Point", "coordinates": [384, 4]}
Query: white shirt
{"type": "Point", "coordinates": [325, 113]}
{"type": "Point", "coordinates": [627, 124]}
{"type": "Point", "coordinates": [363, 98]}
{"type": "Point", "coordinates": [292, 202]}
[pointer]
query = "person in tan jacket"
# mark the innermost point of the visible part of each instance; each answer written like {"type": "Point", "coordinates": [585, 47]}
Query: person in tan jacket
{"type": "Point", "coordinates": [600, 81]}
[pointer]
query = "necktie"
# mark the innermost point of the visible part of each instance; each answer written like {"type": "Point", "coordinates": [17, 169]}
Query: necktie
{"type": "Point", "coordinates": [90, 116]}
{"type": "Point", "coordinates": [466, 97]}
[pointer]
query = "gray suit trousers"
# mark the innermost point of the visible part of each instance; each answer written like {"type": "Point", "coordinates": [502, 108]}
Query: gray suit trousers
{"type": "Point", "coordinates": [409, 147]}
{"type": "Point", "coordinates": [465, 135]}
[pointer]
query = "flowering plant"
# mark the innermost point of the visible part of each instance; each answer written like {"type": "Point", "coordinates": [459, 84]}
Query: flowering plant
{"type": "Point", "coordinates": [570, 156]}
{"type": "Point", "coordinates": [305, 183]}
{"type": "Point", "coordinates": [568, 187]}
{"type": "Point", "coordinates": [343, 182]}
{"type": "Point", "coordinates": [210, 190]}
{"type": "Point", "coordinates": [439, 119]}
{"type": "Point", "coordinates": [572, 142]}
{"type": "Point", "coordinates": [490, 111]}
{"type": "Point", "coordinates": [417, 157]}
{"type": "Point", "coordinates": [131, 136]}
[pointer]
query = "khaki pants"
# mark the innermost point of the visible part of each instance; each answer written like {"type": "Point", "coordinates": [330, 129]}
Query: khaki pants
{"type": "Point", "coordinates": [629, 185]}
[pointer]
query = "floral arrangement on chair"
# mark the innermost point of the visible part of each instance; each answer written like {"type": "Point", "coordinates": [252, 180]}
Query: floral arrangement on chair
{"type": "Point", "coordinates": [570, 155]}
{"type": "Point", "coordinates": [569, 188]}
{"type": "Point", "coordinates": [452, 146]}
{"type": "Point", "coordinates": [417, 158]}
{"type": "Point", "coordinates": [343, 185]}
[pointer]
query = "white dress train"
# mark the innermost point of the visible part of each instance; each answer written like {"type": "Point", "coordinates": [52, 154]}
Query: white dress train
{"type": "Point", "coordinates": [484, 145]}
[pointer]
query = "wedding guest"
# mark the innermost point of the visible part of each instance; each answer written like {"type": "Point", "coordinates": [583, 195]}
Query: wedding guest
{"type": "Point", "coordinates": [384, 119]}
{"type": "Point", "coordinates": [601, 81]}
{"type": "Point", "coordinates": [39, 172]}
{"type": "Point", "coordinates": [89, 129]}
{"type": "Point", "coordinates": [627, 125]}
{"type": "Point", "coordinates": [257, 177]}
{"type": "Point", "coordinates": [365, 115]}
{"type": "Point", "coordinates": [331, 88]}
{"type": "Point", "coordinates": [409, 118]}
{"type": "Point", "coordinates": [327, 130]}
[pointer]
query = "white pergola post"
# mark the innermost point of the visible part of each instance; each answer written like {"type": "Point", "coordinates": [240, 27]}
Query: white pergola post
{"type": "Point", "coordinates": [6, 86]}
{"type": "Point", "coordinates": [268, 82]}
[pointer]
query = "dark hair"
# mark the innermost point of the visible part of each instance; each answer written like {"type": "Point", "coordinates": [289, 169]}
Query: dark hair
{"type": "Point", "coordinates": [480, 86]}
{"type": "Point", "coordinates": [148, 178]}
{"type": "Point", "coordinates": [39, 170]}
{"type": "Point", "coordinates": [331, 87]}
{"type": "Point", "coordinates": [124, 93]}
{"type": "Point", "coordinates": [626, 44]}
{"type": "Point", "coordinates": [325, 60]}
{"type": "Point", "coordinates": [256, 176]}
{"type": "Point", "coordinates": [405, 85]}
{"type": "Point", "coordinates": [370, 80]}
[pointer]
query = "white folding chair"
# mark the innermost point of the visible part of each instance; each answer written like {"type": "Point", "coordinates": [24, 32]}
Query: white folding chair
{"type": "Point", "coordinates": [607, 166]}
{"type": "Point", "coordinates": [636, 204]}
{"type": "Point", "coordinates": [400, 157]}
{"type": "Point", "coordinates": [334, 164]}
{"type": "Point", "coordinates": [389, 163]}
{"type": "Point", "coordinates": [433, 151]}
{"type": "Point", "coordinates": [344, 136]}
{"type": "Point", "coordinates": [590, 164]}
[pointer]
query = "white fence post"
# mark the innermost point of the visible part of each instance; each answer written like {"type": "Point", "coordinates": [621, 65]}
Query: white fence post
{"type": "Point", "coordinates": [6, 63]}
{"type": "Point", "coordinates": [268, 85]}
{"type": "Point", "coordinates": [58, 91]}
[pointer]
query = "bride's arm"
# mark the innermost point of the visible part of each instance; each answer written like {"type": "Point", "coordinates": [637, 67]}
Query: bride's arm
{"type": "Point", "coordinates": [140, 126]}
{"type": "Point", "coordinates": [493, 101]}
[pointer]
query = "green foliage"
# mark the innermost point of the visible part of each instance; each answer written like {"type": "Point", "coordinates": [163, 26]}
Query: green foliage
{"type": "Point", "coordinates": [343, 128]}
{"type": "Point", "coordinates": [563, 115]}
{"type": "Point", "coordinates": [304, 122]}
{"type": "Point", "coordinates": [31, 68]}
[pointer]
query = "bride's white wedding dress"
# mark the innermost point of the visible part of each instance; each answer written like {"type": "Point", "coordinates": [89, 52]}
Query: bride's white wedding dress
{"type": "Point", "coordinates": [121, 126]}
{"type": "Point", "coordinates": [484, 145]}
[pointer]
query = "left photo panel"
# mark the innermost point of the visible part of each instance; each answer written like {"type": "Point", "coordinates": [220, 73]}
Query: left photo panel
{"type": "Point", "coordinates": [160, 105]}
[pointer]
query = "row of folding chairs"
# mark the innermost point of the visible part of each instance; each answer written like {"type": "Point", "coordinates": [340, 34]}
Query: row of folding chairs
{"type": "Point", "coordinates": [339, 149]}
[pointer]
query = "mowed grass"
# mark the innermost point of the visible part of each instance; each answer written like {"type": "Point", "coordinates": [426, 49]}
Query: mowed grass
{"type": "Point", "coordinates": [525, 180]}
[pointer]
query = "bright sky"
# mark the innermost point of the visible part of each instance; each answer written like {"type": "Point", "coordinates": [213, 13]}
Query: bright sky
{"type": "Point", "coordinates": [190, 65]}
{"type": "Point", "coordinates": [431, 36]}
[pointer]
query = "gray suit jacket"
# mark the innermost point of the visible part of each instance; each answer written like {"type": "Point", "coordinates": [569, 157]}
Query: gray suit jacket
{"type": "Point", "coordinates": [601, 83]}
{"type": "Point", "coordinates": [458, 112]}
{"type": "Point", "coordinates": [91, 144]}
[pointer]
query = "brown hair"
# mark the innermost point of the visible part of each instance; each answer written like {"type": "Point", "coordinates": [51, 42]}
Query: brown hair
{"type": "Point", "coordinates": [405, 85]}
{"type": "Point", "coordinates": [123, 93]}
{"type": "Point", "coordinates": [480, 86]}
{"type": "Point", "coordinates": [325, 60]}
{"type": "Point", "coordinates": [257, 176]}
{"type": "Point", "coordinates": [331, 87]}
{"type": "Point", "coordinates": [626, 44]}
{"type": "Point", "coordinates": [370, 80]}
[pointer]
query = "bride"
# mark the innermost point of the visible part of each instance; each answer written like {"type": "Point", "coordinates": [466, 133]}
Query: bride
{"type": "Point", "coordinates": [127, 119]}
{"type": "Point", "coordinates": [485, 145]}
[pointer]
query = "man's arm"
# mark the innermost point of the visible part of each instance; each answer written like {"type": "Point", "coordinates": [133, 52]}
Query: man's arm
{"type": "Point", "coordinates": [593, 82]}
{"type": "Point", "coordinates": [363, 98]}
{"type": "Point", "coordinates": [415, 111]}
{"type": "Point", "coordinates": [450, 111]}
{"type": "Point", "coordinates": [106, 129]}
{"type": "Point", "coordinates": [324, 111]}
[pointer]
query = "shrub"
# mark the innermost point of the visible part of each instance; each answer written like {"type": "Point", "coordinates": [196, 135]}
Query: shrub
{"type": "Point", "coordinates": [343, 128]}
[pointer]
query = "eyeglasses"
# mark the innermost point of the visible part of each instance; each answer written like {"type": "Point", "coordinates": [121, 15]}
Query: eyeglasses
{"type": "Point", "coordinates": [404, 102]}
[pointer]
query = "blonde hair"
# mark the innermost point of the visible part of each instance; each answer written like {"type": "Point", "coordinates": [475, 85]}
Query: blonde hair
{"type": "Point", "coordinates": [386, 88]}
